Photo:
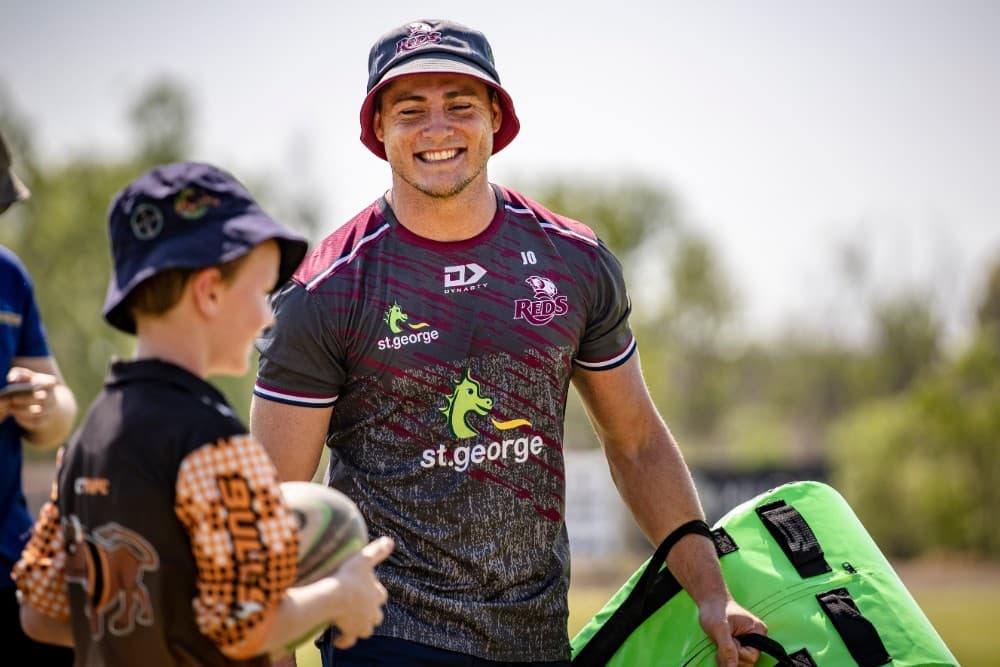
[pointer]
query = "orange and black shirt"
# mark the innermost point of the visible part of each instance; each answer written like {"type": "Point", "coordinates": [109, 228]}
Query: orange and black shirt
{"type": "Point", "coordinates": [166, 539]}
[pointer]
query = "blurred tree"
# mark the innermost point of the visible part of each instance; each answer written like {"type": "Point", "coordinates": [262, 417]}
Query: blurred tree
{"type": "Point", "coordinates": [907, 339]}
{"type": "Point", "coordinates": [787, 391]}
{"type": "Point", "coordinates": [682, 300]}
{"type": "Point", "coordinates": [870, 452]}
{"type": "Point", "coordinates": [920, 468]}
{"type": "Point", "coordinates": [17, 132]}
{"type": "Point", "coordinates": [702, 302]}
{"type": "Point", "coordinates": [960, 410]}
{"type": "Point", "coordinates": [755, 435]}
{"type": "Point", "coordinates": [692, 327]}
{"type": "Point", "coordinates": [988, 311]}
{"type": "Point", "coordinates": [162, 119]}
{"type": "Point", "coordinates": [627, 215]}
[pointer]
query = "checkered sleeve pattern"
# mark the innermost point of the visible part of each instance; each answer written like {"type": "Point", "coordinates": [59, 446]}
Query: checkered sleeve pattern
{"type": "Point", "coordinates": [40, 574]}
{"type": "Point", "coordinates": [244, 539]}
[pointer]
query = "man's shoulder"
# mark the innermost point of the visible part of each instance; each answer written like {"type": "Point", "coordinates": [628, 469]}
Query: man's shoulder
{"type": "Point", "coordinates": [11, 263]}
{"type": "Point", "coordinates": [341, 246]}
{"type": "Point", "coordinates": [552, 223]}
{"type": "Point", "coordinates": [16, 285]}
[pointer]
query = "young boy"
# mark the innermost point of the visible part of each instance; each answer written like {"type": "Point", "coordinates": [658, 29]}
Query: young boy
{"type": "Point", "coordinates": [167, 541]}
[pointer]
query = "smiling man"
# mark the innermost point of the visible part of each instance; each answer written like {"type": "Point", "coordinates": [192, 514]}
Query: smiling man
{"type": "Point", "coordinates": [437, 130]}
{"type": "Point", "coordinates": [430, 343]}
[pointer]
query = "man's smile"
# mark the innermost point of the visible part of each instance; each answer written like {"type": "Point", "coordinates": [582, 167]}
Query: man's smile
{"type": "Point", "coordinates": [438, 156]}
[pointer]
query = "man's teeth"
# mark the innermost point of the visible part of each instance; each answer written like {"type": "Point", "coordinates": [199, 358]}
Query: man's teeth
{"type": "Point", "coordinates": [435, 156]}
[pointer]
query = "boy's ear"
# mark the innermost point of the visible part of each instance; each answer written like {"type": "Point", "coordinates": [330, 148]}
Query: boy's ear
{"type": "Point", "coordinates": [205, 288]}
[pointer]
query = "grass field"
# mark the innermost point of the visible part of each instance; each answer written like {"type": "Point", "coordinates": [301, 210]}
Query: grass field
{"type": "Point", "coordinates": [961, 600]}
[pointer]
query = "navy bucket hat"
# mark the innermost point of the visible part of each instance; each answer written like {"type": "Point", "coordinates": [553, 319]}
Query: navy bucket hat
{"type": "Point", "coordinates": [186, 215]}
{"type": "Point", "coordinates": [432, 46]}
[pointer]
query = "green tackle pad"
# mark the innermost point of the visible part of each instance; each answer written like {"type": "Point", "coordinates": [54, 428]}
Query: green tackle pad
{"type": "Point", "coordinates": [799, 559]}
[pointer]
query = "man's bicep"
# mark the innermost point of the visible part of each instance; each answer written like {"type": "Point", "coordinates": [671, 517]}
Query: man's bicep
{"type": "Point", "coordinates": [614, 398]}
{"type": "Point", "coordinates": [292, 435]}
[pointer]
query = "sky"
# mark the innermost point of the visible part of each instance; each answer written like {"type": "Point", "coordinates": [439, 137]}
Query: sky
{"type": "Point", "coordinates": [783, 129]}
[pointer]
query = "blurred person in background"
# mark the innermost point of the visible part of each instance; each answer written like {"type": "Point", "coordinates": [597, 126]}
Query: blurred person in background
{"type": "Point", "coordinates": [41, 415]}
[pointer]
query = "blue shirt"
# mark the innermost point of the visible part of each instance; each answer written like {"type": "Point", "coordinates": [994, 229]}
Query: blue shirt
{"type": "Point", "coordinates": [21, 335]}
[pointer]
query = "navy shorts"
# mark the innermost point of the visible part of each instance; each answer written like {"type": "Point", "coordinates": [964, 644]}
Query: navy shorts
{"type": "Point", "coordinates": [390, 651]}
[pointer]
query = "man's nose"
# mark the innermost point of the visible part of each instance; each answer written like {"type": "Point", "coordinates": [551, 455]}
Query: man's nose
{"type": "Point", "coordinates": [438, 125]}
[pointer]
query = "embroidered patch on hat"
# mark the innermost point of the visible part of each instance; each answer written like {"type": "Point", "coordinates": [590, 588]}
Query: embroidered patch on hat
{"type": "Point", "coordinates": [421, 34]}
{"type": "Point", "coordinates": [193, 203]}
{"type": "Point", "coordinates": [146, 222]}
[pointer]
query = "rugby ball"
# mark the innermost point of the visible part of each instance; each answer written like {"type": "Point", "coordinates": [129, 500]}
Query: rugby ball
{"type": "Point", "coordinates": [330, 528]}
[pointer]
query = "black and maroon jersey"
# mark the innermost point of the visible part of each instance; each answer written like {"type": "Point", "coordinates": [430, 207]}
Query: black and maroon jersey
{"type": "Point", "coordinates": [166, 540]}
{"type": "Point", "coordinates": [448, 366]}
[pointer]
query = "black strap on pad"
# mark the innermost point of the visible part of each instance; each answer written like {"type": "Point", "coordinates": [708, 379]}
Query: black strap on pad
{"type": "Point", "coordinates": [790, 530]}
{"type": "Point", "coordinates": [859, 635]}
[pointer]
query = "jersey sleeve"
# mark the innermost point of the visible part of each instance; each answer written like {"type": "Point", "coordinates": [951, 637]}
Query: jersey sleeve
{"type": "Point", "coordinates": [608, 340]}
{"type": "Point", "coordinates": [299, 354]}
{"type": "Point", "coordinates": [40, 574]}
{"type": "Point", "coordinates": [244, 540]}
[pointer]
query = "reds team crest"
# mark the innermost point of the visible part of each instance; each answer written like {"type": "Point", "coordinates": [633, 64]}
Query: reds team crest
{"type": "Point", "coordinates": [546, 304]}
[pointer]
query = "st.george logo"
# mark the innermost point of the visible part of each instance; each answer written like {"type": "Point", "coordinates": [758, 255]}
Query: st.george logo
{"type": "Point", "coordinates": [397, 319]}
{"type": "Point", "coordinates": [465, 404]}
{"type": "Point", "coordinates": [466, 400]}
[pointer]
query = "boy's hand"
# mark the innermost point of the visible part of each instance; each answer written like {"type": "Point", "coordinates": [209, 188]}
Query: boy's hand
{"type": "Point", "coordinates": [357, 575]}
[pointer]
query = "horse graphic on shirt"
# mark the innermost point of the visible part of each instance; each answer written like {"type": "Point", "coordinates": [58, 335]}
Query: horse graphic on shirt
{"type": "Point", "coordinates": [109, 563]}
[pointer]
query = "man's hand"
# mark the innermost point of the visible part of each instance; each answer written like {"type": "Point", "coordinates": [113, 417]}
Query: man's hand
{"type": "Point", "coordinates": [30, 410]}
{"type": "Point", "coordinates": [724, 623]}
{"type": "Point", "coordinates": [45, 414]}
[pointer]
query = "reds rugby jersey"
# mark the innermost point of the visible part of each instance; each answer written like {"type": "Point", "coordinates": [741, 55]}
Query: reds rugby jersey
{"type": "Point", "coordinates": [449, 365]}
{"type": "Point", "coordinates": [167, 541]}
